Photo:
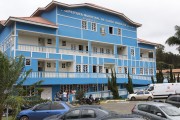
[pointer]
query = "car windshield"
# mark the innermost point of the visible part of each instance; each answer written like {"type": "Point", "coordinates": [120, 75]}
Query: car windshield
{"type": "Point", "coordinates": [171, 110]}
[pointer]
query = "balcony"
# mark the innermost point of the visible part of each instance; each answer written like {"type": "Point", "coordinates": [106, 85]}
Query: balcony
{"type": "Point", "coordinates": [98, 54]}
{"type": "Point", "coordinates": [34, 48]}
{"type": "Point", "coordinates": [123, 57]}
{"type": "Point", "coordinates": [73, 52]}
{"type": "Point", "coordinates": [147, 59]}
{"type": "Point", "coordinates": [82, 75]}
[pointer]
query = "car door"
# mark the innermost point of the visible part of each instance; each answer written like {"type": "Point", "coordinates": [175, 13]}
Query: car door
{"type": "Point", "coordinates": [88, 114]}
{"type": "Point", "coordinates": [72, 115]}
{"type": "Point", "coordinates": [40, 112]}
{"type": "Point", "coordinates": [139, 95]}
{"type": "Point", "coordinates": [57, 108]}
{"type": "Point", "coordinates": [153, 113]}
{"type": "Point", "coordinates": [143, 110]}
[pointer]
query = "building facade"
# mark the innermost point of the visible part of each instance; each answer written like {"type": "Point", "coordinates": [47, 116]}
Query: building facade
{"type": "Point", "coordinates": [75, 47]}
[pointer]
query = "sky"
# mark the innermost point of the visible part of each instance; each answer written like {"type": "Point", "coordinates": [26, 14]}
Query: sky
{"type": "Point", "coordinates": [158, 17]}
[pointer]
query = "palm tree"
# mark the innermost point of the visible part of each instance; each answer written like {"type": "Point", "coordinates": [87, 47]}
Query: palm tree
{"type": "Point", "coordinates": [175, 40]}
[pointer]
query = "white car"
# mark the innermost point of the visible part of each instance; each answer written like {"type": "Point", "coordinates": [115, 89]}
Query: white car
{"type": "Point", "coordinates": [141, 95]}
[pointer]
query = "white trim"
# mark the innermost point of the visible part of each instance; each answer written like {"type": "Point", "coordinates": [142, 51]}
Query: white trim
{"type": "Point", "coordinates": [91, 6]}
{"type": "Point", "coordinates": [36, 32]}
{"type": "Point", "coordinates": [71, 26]}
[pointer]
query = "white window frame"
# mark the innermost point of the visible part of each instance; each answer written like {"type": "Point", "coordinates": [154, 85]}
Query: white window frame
{"type": "Point", "coordinates": [119, 32]}
{"type": "Point", "coordinates": [84, 26]}
{"type": "Point", "coordinates": [85, 68]}
{"type": "Point", "coordinates": [103, 30]}
{"type": "Point", "coordinates": [93, 26]}
{"type": "Point", "coordinates": [29, 62]}
{"type": "Point", "coordinates": [63, 65]}
{"type": "Point", "coordinates": [78, 68]}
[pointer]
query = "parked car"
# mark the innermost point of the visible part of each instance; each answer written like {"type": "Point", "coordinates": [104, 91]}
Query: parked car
{"type": "Point", "coordinates": [86, 112]}
{"type": "Point", "coordinates": [43, 110]}
{"type": "Point", "coordinates": [124, 117]}
{"type": "Point", "coordinates": [156, 111]}
{"type": "Point", "coordinates": [174, 100]}
{"type": "Point", "coordinates": [141, 95]}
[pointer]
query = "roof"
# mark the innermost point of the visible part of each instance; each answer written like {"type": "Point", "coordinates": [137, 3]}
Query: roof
{"type": "Point", "coordinates": [155, 103]}
{"type": "Point", "coordinates": [55, 3]}
{"type": "Point", "coordinates": [32, 20]}
{"type": "Point", "coordinates": [2, 22]}
{"type": "Point", "coordinates": [173, 70]}
{"type": "Point", "coordinates": [147, 42]}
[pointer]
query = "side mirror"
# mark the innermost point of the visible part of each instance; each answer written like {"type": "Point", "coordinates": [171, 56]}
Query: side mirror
{"type": "Point", "coordinates": [160, 114]}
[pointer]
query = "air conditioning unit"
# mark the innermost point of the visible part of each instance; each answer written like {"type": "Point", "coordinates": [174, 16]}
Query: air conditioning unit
{"type": "Point", "coordinates": [68, 64]}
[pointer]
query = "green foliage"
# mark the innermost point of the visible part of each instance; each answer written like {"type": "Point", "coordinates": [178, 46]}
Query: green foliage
{"type": "Point", "coordinates": [171, 75]}
{"type": "Point", "coordinates": [178, 79]}
{"type": "Point", "coordinates": [79, 94]}
{"type": "Point", "coordinates": [159, 74]}
{"type": "Point", "coordinates": [112, 85]}
{"type": "Point", "coordinates": [175, 40]}
{"type": "Point", "coordinates": [129, 85]}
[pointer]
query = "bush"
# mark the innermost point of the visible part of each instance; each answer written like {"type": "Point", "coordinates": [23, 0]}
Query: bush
{"type": "Point", "coordinates": [79, 95]}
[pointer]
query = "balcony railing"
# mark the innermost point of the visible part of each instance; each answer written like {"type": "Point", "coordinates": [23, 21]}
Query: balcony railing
{"type": "Point", "coordinates": [147, 59]}
{"type": "Point", "coordinates": [99, 54]}
{"type": "Point", "coordinates": [82, 75]}
{"type": "Point", "coordinates": [123, 57]}
{"type": "Point", "coordinates": [36, 48]}
{"type": "Point", "coordinates": [69, 51]}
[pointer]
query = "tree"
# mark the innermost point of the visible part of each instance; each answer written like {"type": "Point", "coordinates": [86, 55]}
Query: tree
{"type": "Point", "coordinates": [171, 75]}
{"type": "Point", "coordinates": [152, 79]}
{"type": "Point", "coordinates": [129, 85]}
{"type": "Point", "coordinates": [175, 40]}
{"type": "Point", "coordinates": [178, 80]}
{"type": "Point", "coordinates": [159, 74]}
{"type": "Point", "coordinates": [12, 72]}
{"type": "Point", "coordinates": [112, 83]}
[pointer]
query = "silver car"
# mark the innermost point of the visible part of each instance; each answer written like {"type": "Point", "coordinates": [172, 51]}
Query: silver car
{"type": "Point", "coordinates": [157, 111]}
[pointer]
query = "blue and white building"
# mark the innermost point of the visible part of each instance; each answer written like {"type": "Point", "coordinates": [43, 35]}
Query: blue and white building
{"type": "Point", "coordinates": [74, 47]}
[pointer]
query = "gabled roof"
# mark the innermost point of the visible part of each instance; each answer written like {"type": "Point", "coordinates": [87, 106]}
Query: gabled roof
{"type": "Point", "coordinates": [147, 42]}
{"type": "Point", "coordinates": [32, 20]}
{"type": "Point", "coordinates": [2, 22]}
{"type": "Point", "coordinates": [100, 8]}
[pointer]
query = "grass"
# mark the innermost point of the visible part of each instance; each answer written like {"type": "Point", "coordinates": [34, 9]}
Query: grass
{"type": "Point", "coordinates": [9, 118]}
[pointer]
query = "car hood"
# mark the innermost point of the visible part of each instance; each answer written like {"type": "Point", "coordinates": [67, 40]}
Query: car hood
{"type": "Point", "coordinates": [25, 111]}
{"type": "Point", "coordinates": [175, 118]}
{"type": "Point", "coordinates": [53, 117]}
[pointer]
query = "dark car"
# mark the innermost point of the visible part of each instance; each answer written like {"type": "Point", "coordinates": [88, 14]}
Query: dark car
{"type": "Point", "coordinates": [43, 110]}
{"type": "Point", "coordinates": [157, 111]}
{"type": "Point", "coordinates": [174, 100]}
{"type": "Point", "coordinates": [87, 112]}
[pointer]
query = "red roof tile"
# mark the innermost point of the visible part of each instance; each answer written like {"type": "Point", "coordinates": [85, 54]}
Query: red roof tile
{"type": "Point", "coordinates": [36, 20]}
{"type": "Point", "coordinates": [2, 22]}
{"type": "Point", "coordinates": [147, 42]}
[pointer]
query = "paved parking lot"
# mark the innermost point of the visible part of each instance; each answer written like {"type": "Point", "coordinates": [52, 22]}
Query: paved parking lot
{"type": "Point", "coordinates": [120, 107]}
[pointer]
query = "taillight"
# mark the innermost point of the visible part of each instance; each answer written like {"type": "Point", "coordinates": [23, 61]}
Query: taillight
{"type": "Point", "coordinates": [133, 109]}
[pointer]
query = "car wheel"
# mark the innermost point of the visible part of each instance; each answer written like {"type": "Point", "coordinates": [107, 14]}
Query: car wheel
{"type": "Point", "coordinates": [149, 98]}
{"type": "Point", "coordinates": [24, 118]}
{"type": "Point", "coordinates": [133, 98]}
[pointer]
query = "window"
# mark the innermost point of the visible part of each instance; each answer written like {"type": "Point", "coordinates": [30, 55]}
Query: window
{"type": "Point", "coordinates": [132, 51]}
{"type": "Point", "coordinates": [143, 107]}
{"type": "Point", "coordinates": [48, 64]}
{"type": "Point", "coordinates": [94, 49]}
{"type": "Point", "coordinates": [63, 43]}
{"type": "Point", "coordinates": [146, 71]}
{"type": "Point", "coordinates": [175, 99]}
{"type": "Point", "coordinates": [151, 71]}
{"type": "Point", "coordinates": [63, 65]}
{"type": "Point", "coordinates": [150, 55]}
{"type": "Point", "coordinates": [78, 68]}
{"type": "Point", "coordinates": [107, 51]}
{"type": "Point", "coordinates": [45, 106]}
{"type": "Point", "coordinates": [88, 113]}
{"type": "Point", "coordinates": [85, 68]}
{"type": "Point", "coordinates": [119, 69]}
{"type": "Point", "coordinates": [146, 92]}
{"type": "Point", "coordinates": [93, 26]}
{"type": "Point", "coordinates": [73, 47]}
{"type": "Point", "coordinates": [154, 110]}
{"type": "Point", "coordinates": [28, 62]}
{"type": "Point", "coordinates": [86, 48]}
{"type": "Point", "coordinates": [81, 47]}
{"type": "Point", "coordinates": [49, 41]}
{"type": "Point", "coordinates": [125, 70]}
{"type": "Point", "coordinates": [141, 71]}
{"type": "Point", "coordinates": [75, 114]}
{"type": "Point", "coordinates": [101, 50]}
{"type": "Point", "coordinates": [94, 69]}
{"type": "Point", "coordinates": [140, 93]}
{"type": "Point", "coordinates": [57, 106]}
{"type": "Point", "coordinates": [110, 30]}
{"type": "Point", "coordinates": [133, 71]}
{"type": "Point", "coordinates": [100, 69]}
{"type": "Point", "coordinates": [84, 24]}
{"type": "Point", "coordinates": [118, 31]}
{"type": "Point", "coordinates": [102, 30]}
